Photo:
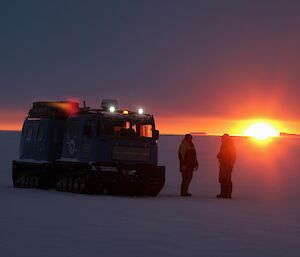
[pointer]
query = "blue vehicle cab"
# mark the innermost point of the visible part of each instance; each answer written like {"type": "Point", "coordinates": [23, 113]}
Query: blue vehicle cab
{"type": "Point", "coordinates": [84, 150]}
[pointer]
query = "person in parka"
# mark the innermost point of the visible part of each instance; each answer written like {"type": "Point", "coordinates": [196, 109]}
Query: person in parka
{"type": "Point", "coordinates": [227, 157]}
{"type": "Point", "coordinates": [188, 163]}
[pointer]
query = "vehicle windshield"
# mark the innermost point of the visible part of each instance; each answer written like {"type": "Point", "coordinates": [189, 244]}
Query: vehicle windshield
{"type": "Point", "coordinates": [125, 128]}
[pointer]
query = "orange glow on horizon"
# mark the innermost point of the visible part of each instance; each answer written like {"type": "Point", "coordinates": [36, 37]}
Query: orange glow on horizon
{"type": "Point", "coordinates": [261, 131]}
{"type": "Point", "coordinates": [12, 121]}
{"type": "Point", "coordinates": [179, 125]}
{"type": "Point", "coordinates": [11, 126]}
{"type": "Point", "coordinates": [218, 126]}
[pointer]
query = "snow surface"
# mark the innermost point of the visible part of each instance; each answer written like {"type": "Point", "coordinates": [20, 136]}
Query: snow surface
{"type": "Point", "coordinates": [261, 220]}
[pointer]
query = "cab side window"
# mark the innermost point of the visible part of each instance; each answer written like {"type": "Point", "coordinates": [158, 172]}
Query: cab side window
{"type": "Point", "coordinates": [145, 130]}
{"type": "Point", "coordinates": [28, 134]}
{"type": "Point", "coordinates": [88, 129]}
{"type": "Point", "coordinates": [40, 135]}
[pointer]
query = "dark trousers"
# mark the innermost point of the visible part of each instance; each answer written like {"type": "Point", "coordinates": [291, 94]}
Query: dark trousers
{"type": "Point", "coordinates": [225, 179]}
{"type": "Point", "coordinates": [186, 180]}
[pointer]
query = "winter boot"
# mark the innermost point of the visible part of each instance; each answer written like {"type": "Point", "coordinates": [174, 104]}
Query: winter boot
{"type": "Point", "coordinates": [223, 191]}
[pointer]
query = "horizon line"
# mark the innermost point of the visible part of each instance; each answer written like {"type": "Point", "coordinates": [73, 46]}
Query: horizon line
{"type": "Point", "coordinates": [202, 134]}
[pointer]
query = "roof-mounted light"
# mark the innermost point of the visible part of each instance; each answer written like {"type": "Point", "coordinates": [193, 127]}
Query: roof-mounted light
{"type": "Point", "coordinates": [112, 109]}
{"type": "Point", "coordinates": [140, 111]}
{"type": "Point", "coordinates": [107, 104]}
{"type": "Point", "coordinates": [125, 112]}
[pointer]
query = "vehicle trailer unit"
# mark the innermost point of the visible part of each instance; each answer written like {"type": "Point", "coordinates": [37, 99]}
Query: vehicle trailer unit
{"type": "Point", "coordinates": [87, 150]}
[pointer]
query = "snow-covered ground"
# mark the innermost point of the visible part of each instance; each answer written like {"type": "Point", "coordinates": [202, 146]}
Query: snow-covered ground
{"type": "Point", "coordinates": [263, 218]}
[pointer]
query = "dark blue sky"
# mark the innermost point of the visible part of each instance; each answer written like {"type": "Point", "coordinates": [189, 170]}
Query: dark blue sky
{"type": "Point", "coordinates": [229, 59]}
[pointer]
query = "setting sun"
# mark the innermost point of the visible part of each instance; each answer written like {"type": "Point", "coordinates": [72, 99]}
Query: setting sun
{"type": "Point", "coordinates": [261, 131]}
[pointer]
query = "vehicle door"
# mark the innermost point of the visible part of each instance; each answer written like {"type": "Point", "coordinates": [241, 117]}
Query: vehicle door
{"type": "Point", "coordinates": [88, 132]}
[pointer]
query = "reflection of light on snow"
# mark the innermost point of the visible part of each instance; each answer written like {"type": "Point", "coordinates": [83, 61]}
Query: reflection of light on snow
{"type": "Point", "coordinates": [261, 131]}
{"type": "Point", "coordinates": [265, 204]}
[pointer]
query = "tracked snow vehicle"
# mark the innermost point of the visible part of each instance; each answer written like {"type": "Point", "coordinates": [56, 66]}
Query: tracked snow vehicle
{"type": "Point", "coordinates": [86, 150]}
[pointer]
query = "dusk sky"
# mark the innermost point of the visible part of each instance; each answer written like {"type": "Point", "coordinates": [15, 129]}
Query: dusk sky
{"type": "Point", "coordinates": [197, 65]}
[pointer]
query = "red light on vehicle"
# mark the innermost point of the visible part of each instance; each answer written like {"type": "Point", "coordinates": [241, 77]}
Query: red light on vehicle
{"type": "Point", "coordinates": [68, 107]}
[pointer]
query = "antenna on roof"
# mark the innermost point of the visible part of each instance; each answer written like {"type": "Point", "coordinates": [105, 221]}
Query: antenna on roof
{"type": "Point", "coordinates": [84, 106]}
